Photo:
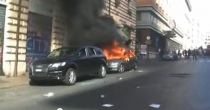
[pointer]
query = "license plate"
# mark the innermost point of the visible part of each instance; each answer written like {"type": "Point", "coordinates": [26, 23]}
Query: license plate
{"type": "Point", "coordinates": [38, 70]}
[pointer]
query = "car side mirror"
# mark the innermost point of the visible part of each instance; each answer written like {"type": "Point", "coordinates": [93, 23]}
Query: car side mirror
{"type": "Point", "coordinates": [79, 55]}
{"type": "Point", "coordinates": [47, 53]}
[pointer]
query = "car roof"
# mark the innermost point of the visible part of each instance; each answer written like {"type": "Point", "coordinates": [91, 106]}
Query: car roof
{"type": "Point", "coordinates": [78, 47]}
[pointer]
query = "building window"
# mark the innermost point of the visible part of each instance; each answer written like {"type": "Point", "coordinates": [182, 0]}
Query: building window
{"type": "Point", "coordinates": [117, 3]}
{"type": "Point", "coordinates": [138, 17]}
{"type": "Point", "coordinates": [127, 31]}
{"type": "Point", "coordinates": [129, 12]}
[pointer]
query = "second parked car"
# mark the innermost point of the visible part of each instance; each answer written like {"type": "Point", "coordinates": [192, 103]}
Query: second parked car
{"type": "Point", "coordinates": [170, 56]}
{"type": "Point", "coordinates": [67, 64]}
{"type": "Point", "coordinates": [120, 65]}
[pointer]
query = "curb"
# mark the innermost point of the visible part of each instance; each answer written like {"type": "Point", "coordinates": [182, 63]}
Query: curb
{"type": "Point", "coordinates": [8, 87]}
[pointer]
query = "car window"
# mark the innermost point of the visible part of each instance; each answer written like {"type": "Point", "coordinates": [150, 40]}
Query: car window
{"type": "Point", "coordinates": [98, 52]}
{"type": "Point", "coordinates": [91, 52]}
{"type": "Point", "coordinates": [62, 52]}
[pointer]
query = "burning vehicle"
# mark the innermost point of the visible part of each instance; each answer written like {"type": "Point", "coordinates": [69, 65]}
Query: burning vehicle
{"type": "Point", "coordinates": [120, 58]}
{"type": "Point", "coordinates": [88, 26]}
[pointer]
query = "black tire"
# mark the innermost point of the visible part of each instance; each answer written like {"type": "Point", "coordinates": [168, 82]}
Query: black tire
{"type": "Point", "coordinates": [135, 66]}
{"type": "Point", "coordinates": [34, 83]}
{"type": "Point", "coordinates": [121, 68]}
{"type": "Point", "coordinates": [70, 77]}
{"type": "Point", "coordinates": [102, 71]}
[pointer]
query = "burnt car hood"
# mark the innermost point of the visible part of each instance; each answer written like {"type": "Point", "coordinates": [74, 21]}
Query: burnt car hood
{"type": "Point", "coordinates": [121, 60]}
{"type": "Point", "coordinates": [52, 60]}
{"type": "Point", "coordinates": [115, 60]}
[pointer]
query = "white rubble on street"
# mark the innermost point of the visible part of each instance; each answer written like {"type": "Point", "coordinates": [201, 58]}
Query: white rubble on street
{"type": "Point", "coordinates": [155, 105]}
{"type": "Point", "coordinates": [140, 71]}
{"type": "Point", "coordinates": [50, 94]}
{"type": "Point", "coordinates": [107, 105]}
{"type": "Point", "coordinates": [102, 96]}
{"type": "Point", "coordinates": [120, 78]}
{"type": "Point", "coordinates": [59, 109]}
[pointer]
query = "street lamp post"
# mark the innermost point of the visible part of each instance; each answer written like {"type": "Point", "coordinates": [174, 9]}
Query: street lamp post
{"type": "Point", "coordinates": [148, 42]}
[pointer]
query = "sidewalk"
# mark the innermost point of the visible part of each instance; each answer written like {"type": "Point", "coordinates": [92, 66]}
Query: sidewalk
{"type": "Point", "coordinates": [8, 82]}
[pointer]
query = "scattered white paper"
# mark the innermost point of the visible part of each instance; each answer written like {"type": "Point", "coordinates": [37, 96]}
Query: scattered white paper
{"type": "Point", "coordinates": [50, 94]}
{"type": "Point", "coordinates": [59, 109]}
{"type": "Point", "coordinates": [120, 78]}
{"type": "Point", "coordinates": [107, 105]}
{"type": "Point", "coordinates": [155, 105]}
{"type": "Point", "coordinates": [140, 71]}
{"type": "Point", "coordinates": [102, 96]}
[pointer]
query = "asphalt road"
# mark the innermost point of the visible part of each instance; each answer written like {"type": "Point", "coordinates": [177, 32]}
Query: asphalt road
{"type": "Point", "coordinates": [181, 85]}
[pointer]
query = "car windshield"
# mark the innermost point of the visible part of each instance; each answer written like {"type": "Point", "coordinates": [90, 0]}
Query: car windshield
{"type": "Point", "coordinates": [63, 52]}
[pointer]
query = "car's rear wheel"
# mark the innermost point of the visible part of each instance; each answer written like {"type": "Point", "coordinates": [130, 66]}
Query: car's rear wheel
{"type": "Point", "coordinates": [135, 66]}
{"type": "Point", "coordinates": [71, 77]}
{"type": "Point", "coordinates": [102, 72]}
{"type": "Point", "coordinates": [121, 68]}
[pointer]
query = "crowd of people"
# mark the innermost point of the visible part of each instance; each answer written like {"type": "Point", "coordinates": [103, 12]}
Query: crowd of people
{"type": "Point", "coordinates": [194, 53]}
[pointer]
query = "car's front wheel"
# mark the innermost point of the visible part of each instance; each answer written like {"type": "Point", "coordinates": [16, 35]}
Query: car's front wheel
{"type": "Point", "coordinates": [135, 66]}
{"type": "Point", "coordinates": [102, 72]}
{"type": "Point", "coordinates": [121, 68]}
{"type": "Point", "coordinates": [71, 77]}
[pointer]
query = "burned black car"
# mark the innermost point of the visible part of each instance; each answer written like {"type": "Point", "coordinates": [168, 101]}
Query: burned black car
{"type": "Point", "coordinates": [170, 56]}
{"type": "Point", "coordinates": [121, 65]}
{"type": "Point", "coordinates": [67, 64]}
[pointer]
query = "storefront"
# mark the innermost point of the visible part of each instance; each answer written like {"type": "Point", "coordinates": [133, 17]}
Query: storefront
{"type": "Point", "coordinates": [172, 45]}
{"type": "Point", "coordinates": [158, 41]}
{"type": "Point", "coordinates": [2, 23]}
{"type": "Point", "coordinates": [39, 30]}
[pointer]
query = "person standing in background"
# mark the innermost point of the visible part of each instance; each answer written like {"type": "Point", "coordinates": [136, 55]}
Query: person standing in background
{"type": "Point", "coordinates": [189, 52]}
{"type": "Point", "coordinates": [194, 54]}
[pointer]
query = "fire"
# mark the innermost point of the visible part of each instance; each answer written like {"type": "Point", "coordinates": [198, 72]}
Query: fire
{"type": "Point", "coordinates": [115, 51]}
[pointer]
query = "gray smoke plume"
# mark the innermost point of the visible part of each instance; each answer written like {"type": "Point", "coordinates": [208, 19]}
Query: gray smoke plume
{"type": "Point", "coordinates": [86, 25]}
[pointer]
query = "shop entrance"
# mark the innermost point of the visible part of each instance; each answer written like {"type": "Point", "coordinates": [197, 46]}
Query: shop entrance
{"type": "Point", "coordinates": [39, 37]}
{"type": "Point", "coordinates": [2, 22]}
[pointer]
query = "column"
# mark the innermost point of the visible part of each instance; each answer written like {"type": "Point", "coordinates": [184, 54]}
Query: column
{"type": "Point", "coordinates": [14, 52]}
{"type": "Point", "coordinates": [59, 29]}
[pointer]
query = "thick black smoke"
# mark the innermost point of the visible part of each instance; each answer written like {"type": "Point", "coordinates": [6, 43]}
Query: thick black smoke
{"type": "Point", "coordinates": [86, 25]}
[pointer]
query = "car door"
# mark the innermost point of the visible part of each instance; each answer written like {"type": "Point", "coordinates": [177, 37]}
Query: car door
{"type": "Point", "coordinates": [82, 62]}
{"type": "Point", "coordinates": [93, 65]}
{"type": "Point", "coordinates": [128, 63]}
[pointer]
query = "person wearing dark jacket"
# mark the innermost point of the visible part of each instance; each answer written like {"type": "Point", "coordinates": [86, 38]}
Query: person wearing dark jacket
{"type": "Point", "coordinates": [194, 54]}
{"type": "Point", "coordinates": [189, 52]}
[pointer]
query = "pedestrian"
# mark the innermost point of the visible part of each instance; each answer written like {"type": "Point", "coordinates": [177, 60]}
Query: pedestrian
{"type": "Point", "coordinates": [194, 54]}
{"type": "Point", "coordinates": [179, 54]}
{"type": "Point", "coordinates": [189, 52]}
{"type": "Point", "coordinates": [185, 54]}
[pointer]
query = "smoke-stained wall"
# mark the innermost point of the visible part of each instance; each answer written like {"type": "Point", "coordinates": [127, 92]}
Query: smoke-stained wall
{"type": "Point", "coordinates": [124, 13]}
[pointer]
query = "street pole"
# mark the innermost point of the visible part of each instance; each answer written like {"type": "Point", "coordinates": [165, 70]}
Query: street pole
{"type": "Point", "coordinates": [109, 7]}
{"type": "Point", "coordinates": [148, 42]}
{"type": "Point", "coordinates": [17, 38]}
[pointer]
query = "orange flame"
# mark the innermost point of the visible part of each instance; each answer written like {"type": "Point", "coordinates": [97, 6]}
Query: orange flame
{"type": "Point", "coordinates": [115, 51]}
